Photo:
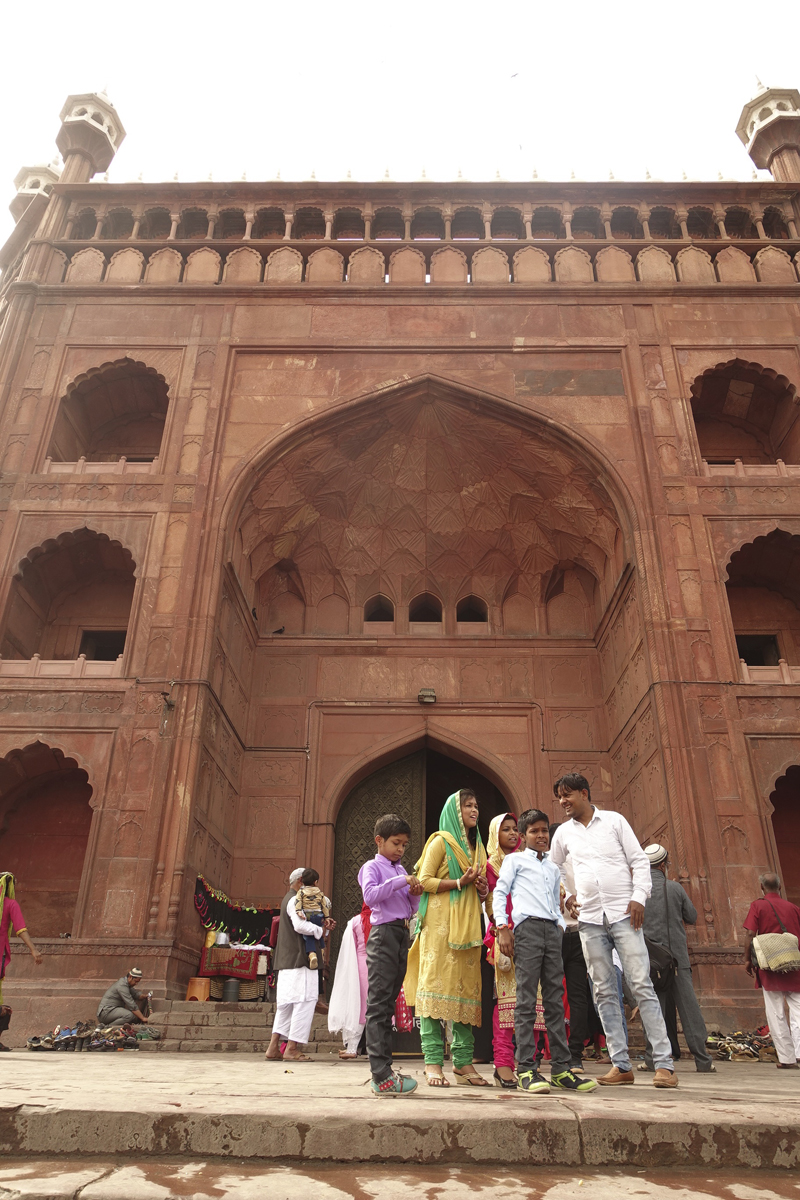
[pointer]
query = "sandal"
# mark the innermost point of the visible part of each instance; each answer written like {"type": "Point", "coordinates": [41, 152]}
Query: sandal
{"type": "Point", "coordinates": [346, 1055]}
{"type": "Point", "coordinates": [436, 1080]}
{"type": "Point", "coordinates": [471, 1079]}
{"type": "Point", "coordinates": [297, 1058]}
{"type": "Point", "coordinates": [509, 1084]}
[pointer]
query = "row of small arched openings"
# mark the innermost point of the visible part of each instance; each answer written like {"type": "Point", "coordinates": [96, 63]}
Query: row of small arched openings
{"type": "Point", "coordinates": [587, 223]}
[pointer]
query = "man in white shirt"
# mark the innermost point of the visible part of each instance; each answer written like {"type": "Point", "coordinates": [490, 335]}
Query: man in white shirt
{"type": "Point", "coordinates": [612, 885]}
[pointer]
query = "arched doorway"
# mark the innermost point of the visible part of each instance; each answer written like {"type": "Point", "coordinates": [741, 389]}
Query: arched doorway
{"type": "Point", "coordinates": [45, 815]}
{"type": "Point", "coordinates": [785, 802]}
{"type": "Point", "coordinates": [415, 787]}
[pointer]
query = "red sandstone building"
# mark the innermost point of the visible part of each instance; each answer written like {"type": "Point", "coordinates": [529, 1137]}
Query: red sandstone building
{"type": "Point", "coordinates": [324, 499]}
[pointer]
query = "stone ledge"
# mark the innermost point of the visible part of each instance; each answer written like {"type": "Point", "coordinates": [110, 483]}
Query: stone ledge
{"type": "Point", "coordinates": [746, 1116]}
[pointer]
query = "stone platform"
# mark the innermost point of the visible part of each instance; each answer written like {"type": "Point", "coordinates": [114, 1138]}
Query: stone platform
{"type": "Point", "coordinates": [240, 1107]}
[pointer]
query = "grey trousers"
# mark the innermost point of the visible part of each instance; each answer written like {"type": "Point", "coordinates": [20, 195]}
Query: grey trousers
{"type": "Point", "coordinates": [116, 1016]}
{"type": "Point", "coordinates": [694, 1027]}
{"type": "Point", "coordinates": [537, 960]}
{"type": "Point", "coordinates": [387, 955]}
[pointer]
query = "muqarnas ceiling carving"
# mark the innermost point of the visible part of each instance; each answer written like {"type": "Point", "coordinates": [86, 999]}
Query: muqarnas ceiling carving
{"type": "Point", "coordinates": [426, 492]}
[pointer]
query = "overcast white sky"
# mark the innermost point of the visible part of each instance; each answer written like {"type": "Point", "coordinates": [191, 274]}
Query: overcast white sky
{"type": "Point", "coordinates": [265, 86]}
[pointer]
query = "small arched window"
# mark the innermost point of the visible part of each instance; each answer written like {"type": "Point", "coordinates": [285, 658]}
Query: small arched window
{"type": "Point", "coordinates": [546, 223]}
{"type": "Point", "coordinates": [85, 225]}
{"type": "Point", "coordinates": [193, 224]}
{"type": "Point", "coordinates": [467, 223]}
{"type": "Point", "coordinates": [473, 610]}
{"type": "Point", "coordinates": [231, 225]}
{"type": "Point", "coordinates": [118, 225]}
{"type": "Point", "coordinates": [309, 225]}
{"type": "Point", "coordinates": [379, 608]}
{"type": "Point", "coordinates": [348, 225]}
{"type": "Point", "coordinates": [270, 223]}
{"type": "Point", "coordinates": [156, 224]}
{"type": "Point", "coordinates": [507, 224]}
{"type": "Point", "coordinates": [388, 224]}
{"type": "Point", "coordinates": [427, 225]}
{"type": "Point", "coordinates": [425, 609]}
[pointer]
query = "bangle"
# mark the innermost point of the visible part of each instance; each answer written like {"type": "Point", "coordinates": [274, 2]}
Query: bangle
{"type": "Point", "coordinates": [458, 884]}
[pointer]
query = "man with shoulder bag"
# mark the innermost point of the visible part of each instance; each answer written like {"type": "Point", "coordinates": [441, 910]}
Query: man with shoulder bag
{"type": "Point", "coordinates": [771, 954]}
{"type": "Point", "coordinates": [667, 913]}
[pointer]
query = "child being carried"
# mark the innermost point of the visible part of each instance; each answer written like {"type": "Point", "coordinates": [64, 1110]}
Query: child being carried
{"type": "Point", "coordinates": [312, 905]}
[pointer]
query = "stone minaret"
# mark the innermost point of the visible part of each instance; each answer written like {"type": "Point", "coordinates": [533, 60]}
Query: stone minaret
{"type": "Point", "coordinates": [89, 137]}
{"type": "Point", "coordinates": [30, 182]}
{"type": "Point", "coordinates": [770, 129]}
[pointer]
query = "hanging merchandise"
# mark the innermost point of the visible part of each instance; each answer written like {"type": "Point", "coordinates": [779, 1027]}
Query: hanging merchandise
{"type": "Point", "coordinates": [244, 924]}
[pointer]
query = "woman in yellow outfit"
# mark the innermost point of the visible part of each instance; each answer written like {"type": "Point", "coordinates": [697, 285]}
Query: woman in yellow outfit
{"type": "Point", "coordinates": [443, 982]}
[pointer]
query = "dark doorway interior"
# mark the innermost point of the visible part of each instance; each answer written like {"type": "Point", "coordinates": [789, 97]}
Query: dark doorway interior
{"type": "Point", "coordinates": [786, 825]}
{"type": "Point", "coordinates": [443, 776]}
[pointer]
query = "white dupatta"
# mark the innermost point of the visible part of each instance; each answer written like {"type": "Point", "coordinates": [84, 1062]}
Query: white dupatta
{"type": "Point", "coordinates": [344, 1008]}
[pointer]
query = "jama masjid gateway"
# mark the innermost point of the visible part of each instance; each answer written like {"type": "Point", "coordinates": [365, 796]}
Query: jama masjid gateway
{"type": "Point", "coordinates": [313, 491]}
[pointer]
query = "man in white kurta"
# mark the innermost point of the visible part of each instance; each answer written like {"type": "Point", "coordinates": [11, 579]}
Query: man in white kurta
{"type": "Point", "coordinates": [296, 995]}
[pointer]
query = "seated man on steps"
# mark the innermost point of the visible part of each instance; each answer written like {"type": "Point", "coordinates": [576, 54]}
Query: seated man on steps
{"type": "Point", "coordinates": [122, 1004]}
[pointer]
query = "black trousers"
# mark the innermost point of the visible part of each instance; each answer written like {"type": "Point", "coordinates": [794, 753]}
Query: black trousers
{"type": "Point", "coordinates": [577, 979]}
{"type": "Point", "coordinates": [537, 960]}
{"type": "Point", "coordinates": [387, 955]}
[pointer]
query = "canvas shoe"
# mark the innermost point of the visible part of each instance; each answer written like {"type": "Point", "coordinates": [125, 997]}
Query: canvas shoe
{"type": "Point", "coordinates": [571, 1082]}
{"type": "Point", "coordinates": [395, 1085]}
{"type": "Point", "coordinates": [533, 1083]}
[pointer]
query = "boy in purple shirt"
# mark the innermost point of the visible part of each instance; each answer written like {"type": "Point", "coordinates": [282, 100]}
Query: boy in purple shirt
{"type": "Point", "coordinates": [393, 897]}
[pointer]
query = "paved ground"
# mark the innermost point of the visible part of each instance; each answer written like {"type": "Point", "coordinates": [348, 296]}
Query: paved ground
{"type": "Point", "coordinates": [212, 1180]}
{"type": "Point", "coordinates": [238, 1106]}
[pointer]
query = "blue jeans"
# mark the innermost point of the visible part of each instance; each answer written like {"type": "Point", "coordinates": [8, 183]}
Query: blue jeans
{"type": "Point", "coordinates": [598, 941]}
{"type": "Point", "coordinates": [311, 943]}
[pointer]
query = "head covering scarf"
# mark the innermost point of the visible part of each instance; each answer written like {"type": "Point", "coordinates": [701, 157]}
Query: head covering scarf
{"type": "Point", "coordinates": [465, 907]}
{"type": "Point", "coordinates": [494, 853]}
{"type": "Point", "coordinates": [6, 889]}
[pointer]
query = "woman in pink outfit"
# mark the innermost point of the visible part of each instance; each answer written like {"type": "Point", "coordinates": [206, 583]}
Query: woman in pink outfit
{"type": "Point", "coordinates": [503, 839]}
{"type": "Point", "coordinates": [10, 918]}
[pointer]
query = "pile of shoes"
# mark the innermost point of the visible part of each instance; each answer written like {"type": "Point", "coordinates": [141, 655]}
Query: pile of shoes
{"type": "Point", "coordinates": [743, 1047]}
{"type": "Point", "coordinates": [86, 1035]}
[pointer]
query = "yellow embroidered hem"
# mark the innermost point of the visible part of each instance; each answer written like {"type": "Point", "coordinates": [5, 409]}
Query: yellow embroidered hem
{"type": "Point", "coordinates": [448, 1008]}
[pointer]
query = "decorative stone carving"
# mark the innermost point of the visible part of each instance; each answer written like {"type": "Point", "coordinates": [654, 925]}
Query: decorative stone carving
{"type": "Point", "coordinates": [325, 266]}
{"type": "Point", "coordinates": [366, 265]}
{"type": "Point", "coordinates": [407, 265]}
{"type": "Point", "coordinates": [243, 266]}
{"type": "Point", "coordinates": [774, 266]}
{"type": "Point", "coordinates": [490, 265]}
{"type": "Point", "coordinates": [449, 265]}
{"type": "Point", "coordinates": [284, 265]}
{"type": "Point", "coordinates": [87, 266]}
{"type": "Point", "coordinates": [573, 265]}
{"type": "Point", "coordinates": [126, 266]}
{"type": "Point", "coordinates": [614, 265]}
{"type": "Point", "coordinates": [734, 266]}
{"type": "Point", "coordinates": [202, 266]}
{"type": "Point", "coordinates": [164, 266]}
{"type": "Point", "coordinates": [694, 266]}
{"type": "Point", "coordinates": [56, 266]}
{"type": "Point", "coordinates": [532, 265]}
{"type": "Point", "coordinates": [654, 265]}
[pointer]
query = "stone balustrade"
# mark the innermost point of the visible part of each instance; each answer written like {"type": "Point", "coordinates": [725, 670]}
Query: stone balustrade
{"type": "Point", "coordinates": [493, 263]}
{"type": "Point", "coordinates": [782, 673]}
{"type": "Point", "coordinates": [120, 466]}
{"type": "Point", "coordinates": [741, 469]}
{"type": "Point", "coordinates": [78, 668]}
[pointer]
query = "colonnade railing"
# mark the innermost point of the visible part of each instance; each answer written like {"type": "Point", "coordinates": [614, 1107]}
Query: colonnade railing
{"type": "Point", "coordinates": [421, 262]}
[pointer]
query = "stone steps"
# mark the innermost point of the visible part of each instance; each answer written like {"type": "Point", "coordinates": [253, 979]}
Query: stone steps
{"type": "Point", "coordinates": [210, 1027]}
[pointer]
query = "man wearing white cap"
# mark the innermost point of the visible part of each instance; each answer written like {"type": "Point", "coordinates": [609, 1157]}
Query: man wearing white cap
{"type": "Point", "coordinates": [122, 1004]}
{"type": "Point", "coordinates": [297, 989]}
{"type": "Point", "coordinates": [667, 913]}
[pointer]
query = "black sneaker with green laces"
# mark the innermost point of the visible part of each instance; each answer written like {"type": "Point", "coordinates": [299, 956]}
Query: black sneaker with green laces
{"type": "Point", "coordinates": [533, 1082]}
{"type": "Point", "coordinates": [570, 1082]}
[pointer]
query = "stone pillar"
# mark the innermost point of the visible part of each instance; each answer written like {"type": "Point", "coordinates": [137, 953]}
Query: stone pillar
{"type": "Point", "coordinates": [249, 218]}
{"type": "Point", "coordinates": [757, 213]}
{"type": "Point", "coordinates": [447, 217]}
{"type": "Point", "coordinates": [289, 218]}
{"type": "Point", "coordinates": [368, 213]}
{"type": "Point", "coordinates": [719, 220]}
{"type": "Point", "coordinates": [527, 217]}
{"type": "Point", "coordinates": [605, 217]}
{"type": "Point", "coordinates": [644, 220]}
{"type": "Point", "coordinates": [566, 217]}
{"type": "Point", "coordinates": [213, 217]}
{"type": "Point", "coordinates": [682, 216]}
{"type": "Point", "coordinates": [137, 221]}
{"type": "Point", "coordinates": [328, 224]}
{"type": "Point", "coordinates": [175, 218]}
{"type": "Point", "coordinates": [408, 216]}
{"type": "Point", "coordinates": [486, 213]}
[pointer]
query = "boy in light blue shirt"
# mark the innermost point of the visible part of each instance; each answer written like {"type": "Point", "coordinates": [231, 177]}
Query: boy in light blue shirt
{"type": "Point", "coordinates": [534, 884]}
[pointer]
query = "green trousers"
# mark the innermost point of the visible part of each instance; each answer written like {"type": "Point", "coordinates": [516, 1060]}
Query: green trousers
{"type": "Point", "coordinates": [432, 1036]}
